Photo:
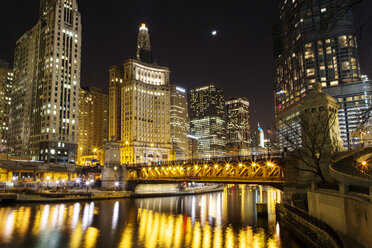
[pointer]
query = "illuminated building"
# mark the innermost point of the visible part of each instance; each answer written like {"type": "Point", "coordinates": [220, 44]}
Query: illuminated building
{"type": "Point", "coordinates": [207, 119]}
{"type": "Point", "coordinates": [316, 104]}
{"type": "Point", "coordinates": [237, 124]}
{"type": "Point", "coordinates": [261, 137]}
{"type": "Point", "coordinates": [44, 110]}
{"type": "Point", "coordinates": [179, 121]}
{"type": "Point", "coordinates": [314, 44]}
{"type": "Point", "coordinates": [354, 100]}
{"type": "Point", "coordinates": [140, 103]}
{"type": "Point", "coordinates": [116, 82]}
{"type": "Point", "coordinates": [93, 125]}
{"type": "Point", "coordinates": [6, 82]}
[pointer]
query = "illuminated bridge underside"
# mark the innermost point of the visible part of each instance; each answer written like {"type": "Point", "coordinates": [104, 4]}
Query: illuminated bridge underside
{"type": "Point", "coordinates": [235, 172]}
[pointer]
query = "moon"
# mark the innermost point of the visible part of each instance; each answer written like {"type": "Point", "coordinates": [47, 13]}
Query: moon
{"type": "Point", "coordinates": [214, 32]}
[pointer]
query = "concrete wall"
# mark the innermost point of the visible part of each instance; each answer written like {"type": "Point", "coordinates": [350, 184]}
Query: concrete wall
{"type": "Point", "coordinates": [346, 213]}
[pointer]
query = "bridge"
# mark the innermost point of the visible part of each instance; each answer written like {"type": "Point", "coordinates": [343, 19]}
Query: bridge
{"type": "Point", "coordinates": [238, 169]}
{"type": "Point", "coordinates": [229, 168]}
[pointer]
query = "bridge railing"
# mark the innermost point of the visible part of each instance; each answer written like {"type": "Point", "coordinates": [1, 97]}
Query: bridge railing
{"type": "Point", "coordinates": [352, 167]}
{"type": "Point", "coordinates": [314, 221]}
{"type": "Point", "coordinates": [211, 159]}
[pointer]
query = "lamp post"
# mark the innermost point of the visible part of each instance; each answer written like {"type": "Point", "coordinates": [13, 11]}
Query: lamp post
{"type": "Point", "coordinates": [116, 184]}
{"type": "Point", "coordinates": [13, 179]}
{"type": "Point", "coordinates": [87, 183]}
{"type": "Point", "coordinates": [48, 178]}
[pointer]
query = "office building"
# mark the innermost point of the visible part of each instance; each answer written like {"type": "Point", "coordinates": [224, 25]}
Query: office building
{"type": "Point", "coordinates": [179, 121]}
{"type": "Point", "coordinates": [314, 43]}
{"type": "Point", "coordinates": [93, 125]}
{"type": "Point", "coordinates": [44, 110]}
{"type": "Point", "coordinates": [207, 119]}
{"type": "Point", "coordinates": [116, 75]}
{"type": "Point", "coordinates": [261, 136]}
{"type": "Point", "coordinates": [140, 103]}
{"type": "Point", "coordinates": [6, 83]}
{"type": "Point", "coordinates": [237, 125]}
{"type": "Point", "coordinates": [355, 101]}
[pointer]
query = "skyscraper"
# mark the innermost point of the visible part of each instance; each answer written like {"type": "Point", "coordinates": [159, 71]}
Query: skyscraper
{"type": "Point", "coordinates": [140, 104]}
{"type": "Point", "coordinates": [355, 100]}
{"type": "Point", "coordinates": [44, 111]}
{"type": "Point", "coordinates": [116, 74]}
{"type": "Point", "coordinates": [179, 121]}
{"type": "Point", "coordinates": [237, 124]}
{"type": "Point", "coordinates": [314, 43]}
{"type": "Point", "coordinates": [6, 83]}
{"type": "Point", "coordinates": [207, 119]}
{"type": "Point", "coordinates": [93, 125]}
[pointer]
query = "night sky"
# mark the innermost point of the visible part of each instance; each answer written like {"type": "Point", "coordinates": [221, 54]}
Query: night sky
{"type": "Point", "coordinates": [239, 58]}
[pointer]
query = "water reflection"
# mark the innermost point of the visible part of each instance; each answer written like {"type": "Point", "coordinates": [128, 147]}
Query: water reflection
{"type": "Point", "coordinates": [224, 219]}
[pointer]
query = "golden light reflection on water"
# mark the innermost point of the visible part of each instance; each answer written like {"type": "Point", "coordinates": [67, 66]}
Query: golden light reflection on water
{"type": "Point", "coordinates": [126, 240]}
{"type": "Point", "coordinates": [196, 221]}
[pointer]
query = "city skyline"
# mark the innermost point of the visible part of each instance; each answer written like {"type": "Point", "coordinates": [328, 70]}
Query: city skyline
{"type": "Point", "coordinates": [182, 46]}
{"type": "Point", "coordinates": [151, 124]}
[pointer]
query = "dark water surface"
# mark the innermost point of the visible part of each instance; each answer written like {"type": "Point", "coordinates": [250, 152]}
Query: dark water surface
{"type": "Point", "coordinates": [223, 219]}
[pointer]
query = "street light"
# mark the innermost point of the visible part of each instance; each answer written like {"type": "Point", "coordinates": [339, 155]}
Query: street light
{"type": "Point", "coordinates": [13, 179]}
{"type": "Point", "coordinates": [116, 184]}
{"type": "Point", "coordinates": [48, 178]}
{"type": "Point", "coordinates": [87, 183]}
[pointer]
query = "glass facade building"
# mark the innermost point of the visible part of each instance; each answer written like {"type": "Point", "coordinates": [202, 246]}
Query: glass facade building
{"type": "Point", "coordinates": [207, 119]}
{"type": "Point", "coordinates": [179, 120]}
{"type": "Point", "coordinates": [314, 43]}
{"type": "Point", "coordinates": [237, 125]}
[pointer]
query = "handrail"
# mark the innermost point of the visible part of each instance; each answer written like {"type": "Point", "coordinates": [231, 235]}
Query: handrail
{"type": "Point", "coordinates": [315, 222]}
{"type": "Point", "coordinates": [229, 159]}
{"type": "Point", "coordinates": [349, 167]}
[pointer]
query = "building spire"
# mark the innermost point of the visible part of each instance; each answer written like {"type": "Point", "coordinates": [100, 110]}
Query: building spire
{"type": "Point", "coordinates": [143, 45]}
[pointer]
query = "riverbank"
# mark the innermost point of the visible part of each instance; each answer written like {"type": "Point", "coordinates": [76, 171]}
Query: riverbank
{"type": "Point", "coordinates": [92, 195]}
{"type": "Point", "coordinates": [181, 192]}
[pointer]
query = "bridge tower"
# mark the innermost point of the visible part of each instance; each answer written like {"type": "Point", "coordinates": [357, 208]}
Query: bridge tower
{"type": "Point", "coordinates": [113, 173]}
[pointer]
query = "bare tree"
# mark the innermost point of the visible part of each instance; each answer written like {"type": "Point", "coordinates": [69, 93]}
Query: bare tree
{"type": "Point", "coordinates": [309, 139]}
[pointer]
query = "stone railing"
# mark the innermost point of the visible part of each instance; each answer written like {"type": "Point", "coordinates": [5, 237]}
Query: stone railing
{"type": "Point", "coordinates": [316, 231]}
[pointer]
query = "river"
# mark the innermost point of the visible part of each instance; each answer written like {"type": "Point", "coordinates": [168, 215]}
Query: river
{"type": "Point", "coordinates": [222, 219]}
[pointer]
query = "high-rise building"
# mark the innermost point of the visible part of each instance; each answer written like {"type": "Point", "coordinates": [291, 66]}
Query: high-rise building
{"type": "Point", "coordinates": [314, 43]}
{"type": "Point", "coordinates": [179, 121]}
{"type": "Point", "coordinates": [44, 110]}
{"type": "Point", "coordinates": [237, 124]}
{"type": "Point", "coordinates": [140, 101]}
{"type": "Point", "coordinates": [261, 136]}
{"type": "Point", "coordinates": [207, 119]}
{"type": "Point", "coordinates": [6, 83]}
{"type": "Point", "coordinates": [355, 100]}
{"type": "Point", "coordinates": [116, 83]}
{"type": "Point", "coordinates": [93, 125]}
